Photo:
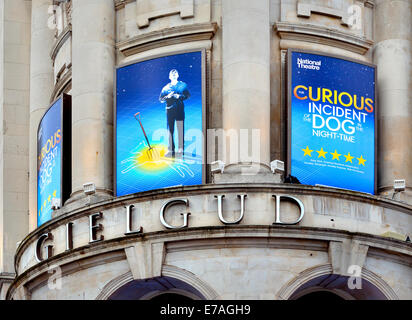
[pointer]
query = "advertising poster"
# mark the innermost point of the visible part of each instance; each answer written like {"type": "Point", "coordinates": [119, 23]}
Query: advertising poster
{"type": "Point", "coordinates": [332, 115]}
{"type": "Point", "coordinates": [49, 161]}
{"type": "Point", "coordinates": [159, 123]}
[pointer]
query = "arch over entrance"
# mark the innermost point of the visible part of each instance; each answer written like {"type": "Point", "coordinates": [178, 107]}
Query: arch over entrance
{"type": "Point", "coordinates": [321, 279]}
{"type": "Point", "coordinates": [174, 281]}
{"type": "Point", "coordinates": [321, 295]}
{"type": "Point", "coordinates": [157, 288]}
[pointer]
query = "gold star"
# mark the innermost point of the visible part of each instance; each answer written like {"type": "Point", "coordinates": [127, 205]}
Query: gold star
{"type": "Point", "coordinates": [321, 153]}
{"type": "Point", "coordinates": [307, 151]}
{"type": "Point", "coordinates": [54, 194]}
{"type": "Point", "coordinates": [336, 155]}
{"type": "Point", "coordinates": [45, 202]}
{"type": "Point", "coordinates": [49, 198]}
{"type": "Point", "coordinates": [361, 160]}
{"type": "Point", "coordinates": [348, 158]}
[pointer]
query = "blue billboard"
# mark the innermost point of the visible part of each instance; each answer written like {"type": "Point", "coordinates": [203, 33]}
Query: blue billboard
{"type": "Point", "coordinates": [332, 119]}
{"type": "Point", "coordinates": [49, 161]}
{"type": "Point", "coordinates": [159, 123]}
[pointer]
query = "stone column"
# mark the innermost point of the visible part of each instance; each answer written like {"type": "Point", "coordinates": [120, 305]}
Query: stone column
{"type": "Point", "coordinates": [41, 87]}
{"type": "Point", "coordinates": [393, 56]}
{"type": "Point", "coordinates": [93, 50]}
{"type": "Point", "coordinates": [15, 16]}
{"type": "Point", "coordinates": [246, 83]}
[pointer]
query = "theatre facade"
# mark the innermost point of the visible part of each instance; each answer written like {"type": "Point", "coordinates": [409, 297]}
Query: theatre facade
{"type": "Point", "coordinates": [206, 149]}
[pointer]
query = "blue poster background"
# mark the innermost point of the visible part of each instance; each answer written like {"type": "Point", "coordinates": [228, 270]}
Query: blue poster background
{"type": "Point", "coordinates": [138, 88]}
{"type": "Point", "coordinates": [49, 142]}
{"type": "Point", "coordinates": [320, 155]}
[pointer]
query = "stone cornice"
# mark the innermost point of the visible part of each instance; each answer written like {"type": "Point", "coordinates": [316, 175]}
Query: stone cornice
{"type": "Point", "coordinates": [322, 35]}
{"type": "Point", "coordinates": [167, 37]}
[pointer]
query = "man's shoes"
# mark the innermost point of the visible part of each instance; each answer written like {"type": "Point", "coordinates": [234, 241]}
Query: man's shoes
{"type": "Point", "coordinates": [179, 153]}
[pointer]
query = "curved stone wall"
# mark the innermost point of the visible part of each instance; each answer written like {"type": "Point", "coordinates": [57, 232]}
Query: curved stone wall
{"type": "Point", "coordinates": [339, 228]}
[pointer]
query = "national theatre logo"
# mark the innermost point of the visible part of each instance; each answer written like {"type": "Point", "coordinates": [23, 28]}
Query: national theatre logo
{"type": "Point", "coordinates": [309, 64]}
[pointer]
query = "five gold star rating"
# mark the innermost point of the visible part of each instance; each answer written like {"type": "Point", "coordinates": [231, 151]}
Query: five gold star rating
{"type": "Point", "coordinates": [48, 200]}
{"type": "Point", "coordinates": [335, 155]}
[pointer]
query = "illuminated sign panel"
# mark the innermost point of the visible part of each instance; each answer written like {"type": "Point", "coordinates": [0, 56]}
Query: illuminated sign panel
{"type": "Point", "coordinates": [53, 158]}
{"type": "Point", "coordinates": [159, 123]}
{"type": "Point", "coordinates": [332, 121]}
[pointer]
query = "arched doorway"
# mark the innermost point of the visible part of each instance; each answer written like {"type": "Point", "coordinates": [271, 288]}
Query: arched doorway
{"type": "Point", "coordinates": [171, 297]}
{"type": "Point", "coordinates": [337, 287]}
{"type": "Point", "coordinates": [160, 289]}
{"type": "Point", "coordinates": [321, 295]}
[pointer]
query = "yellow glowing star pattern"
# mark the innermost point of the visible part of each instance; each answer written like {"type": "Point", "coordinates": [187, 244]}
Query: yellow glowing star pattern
{"type": "Point", "coordinates": [321, 153]}
{"type": "Point", "coordinates": [348, 157]}
{"type": "Point", "coordinates": [307, 151]}
{"type": "Point", "coordinates": [361, 161]}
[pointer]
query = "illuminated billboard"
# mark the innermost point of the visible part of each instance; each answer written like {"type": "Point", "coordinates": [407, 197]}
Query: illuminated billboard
{"type": "Point", "coordinates": [159, 123]}
{"type": "Point", "coordinates": [53, 158]}
{"type": "Point", "coordinates": [332, 121]}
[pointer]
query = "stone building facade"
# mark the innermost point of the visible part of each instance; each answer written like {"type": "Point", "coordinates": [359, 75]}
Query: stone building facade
{"type": "Point", "coordinates": [350, 244]}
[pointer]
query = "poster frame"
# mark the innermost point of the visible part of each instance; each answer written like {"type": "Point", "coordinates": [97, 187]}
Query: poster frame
{"type": "Point", "coordinates": [66, 150]}
{"type": "Point", "coordinates": [289, 111]}
{"type": "Point", "coordinates": [204, 109]}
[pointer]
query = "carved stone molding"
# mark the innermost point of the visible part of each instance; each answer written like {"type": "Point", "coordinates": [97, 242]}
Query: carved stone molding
{"type": "Point", "coordinates": [113, 250]}
{"type": "Point", "coordinates": [167, 37]}
{"type": "Point", "coordinates": [307, 275]}
{"type": "Point", "coordinates": [148, 9]}
{"type": "Point", "coordinates": [69, 10]}
{"type": "Point", "coordinates": [168, 271]}
{"type": "Point", "coordinates": [379, 283]}
{"type": "Point", "coordinates": [62, 83]}
{"type": "Point", "coordinates": [290, 287]}
{"type": "Point", "coordinates": [60, 41]}
{"type": "Point", "coordinates": [324, 36]}
{"type": "Point", "coordinates": [113, 285]}
{"type": "Point", "coordinates": [205, 289]}
{"type": "Point", "coordinates": [305, 10]}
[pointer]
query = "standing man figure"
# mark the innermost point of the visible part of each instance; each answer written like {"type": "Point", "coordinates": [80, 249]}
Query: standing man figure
{"type": "Point", "coordinates": [173, 94]}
